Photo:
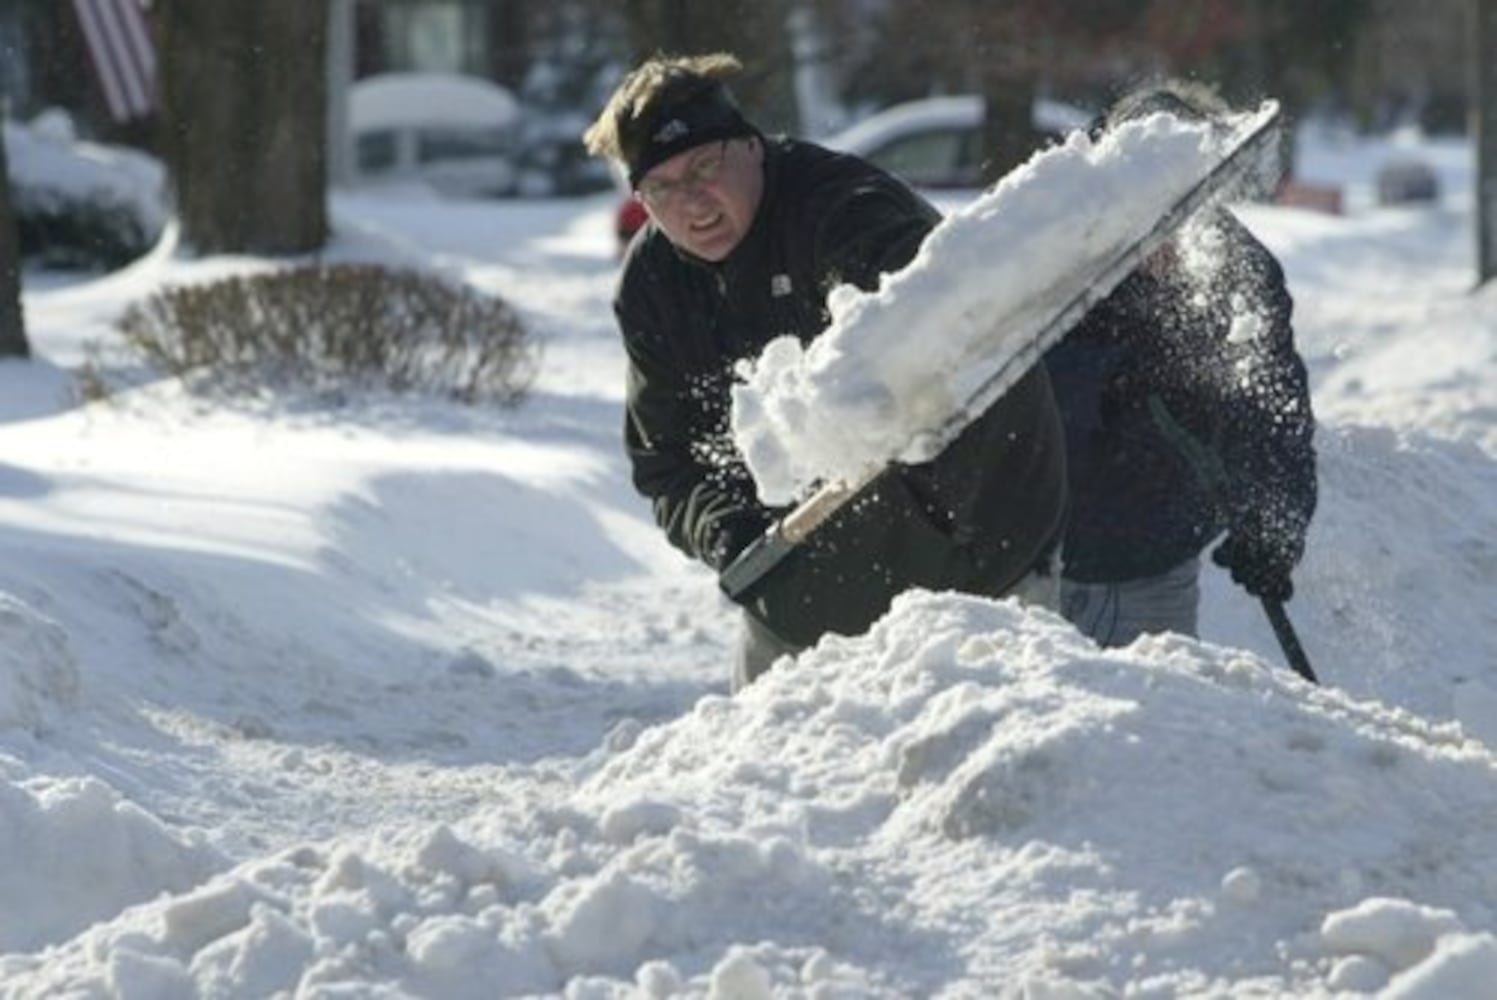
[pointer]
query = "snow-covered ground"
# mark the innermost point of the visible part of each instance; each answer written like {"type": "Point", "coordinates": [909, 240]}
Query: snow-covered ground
{"type": "Point", "coordinates": [408, 699]}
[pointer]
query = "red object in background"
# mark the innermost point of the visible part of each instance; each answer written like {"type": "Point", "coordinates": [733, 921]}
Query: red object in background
{"type": "Point", "coordinates": [1316, 197]}
{"type": "Point", "coordinates": [628, 220]}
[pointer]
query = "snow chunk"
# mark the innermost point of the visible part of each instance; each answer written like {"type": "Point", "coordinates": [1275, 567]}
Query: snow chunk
{"type": "Point", "coordinates": [1396, 931]}
{"type": "Point", "coordinates": [1463, 967]}
{"type": "Point", "coordinates": [263, 958]}
{"type": "Point", "coordinates": [1434, 955]}
{"type": "Point", "coordinates": [1242, 885]}
{"type": "Point", "coordinates": [603, 924]}
{"type": "Point", "coordinates": [76, 853]}
{"type": "Point", "coordinates": [739, 977]}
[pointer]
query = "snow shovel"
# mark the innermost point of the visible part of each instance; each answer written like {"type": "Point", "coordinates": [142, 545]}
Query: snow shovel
{"type": "Point", "coordinates": [1213, 476]}
{"type": "Point", "coordinates": [1252, 163]}
{"type": "Point", "coordinates": [1283, 631]}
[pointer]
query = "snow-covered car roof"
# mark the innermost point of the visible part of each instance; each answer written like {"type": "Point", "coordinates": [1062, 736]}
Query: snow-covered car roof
{"type": "Point", "coordinates": [955, 111]}
{"type": "Point", "coordinates": [936, 143]}
{"type": "Point", "coordinates": [400, 100]}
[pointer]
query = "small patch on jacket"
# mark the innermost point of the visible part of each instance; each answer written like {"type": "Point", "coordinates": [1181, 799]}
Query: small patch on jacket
{"type": "Point", "coordinates": [779, 285]}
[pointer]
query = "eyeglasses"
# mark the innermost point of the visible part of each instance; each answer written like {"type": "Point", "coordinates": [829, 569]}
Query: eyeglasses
{"type": "Point", "coordinates": [658, 192]}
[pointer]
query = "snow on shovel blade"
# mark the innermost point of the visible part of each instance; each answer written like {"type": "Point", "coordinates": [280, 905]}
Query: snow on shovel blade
{"type": "Point", "coordinates": [902, 370]}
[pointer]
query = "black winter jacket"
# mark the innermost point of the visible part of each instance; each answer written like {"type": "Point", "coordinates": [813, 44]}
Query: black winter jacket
{"type": "Point", "coordinates": [1213, 344]}
{"type": "Point", "coordinates": [975, 519]}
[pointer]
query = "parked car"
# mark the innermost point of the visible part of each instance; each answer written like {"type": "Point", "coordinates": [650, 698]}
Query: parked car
{"type": "Point", "coordinates": [457, 134]}
{"type": "Point", "coordinates": [551, 160]}
{"type": "Point", "coordinates": [933, 143]}
{"type": "Point", "coordinates": [1406, 180]}
{"type": "Point", "coordinates": [936, 143]}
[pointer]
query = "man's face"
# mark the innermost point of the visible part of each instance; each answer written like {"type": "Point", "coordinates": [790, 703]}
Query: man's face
{"type": "Point", "coordinates": [704, 199]}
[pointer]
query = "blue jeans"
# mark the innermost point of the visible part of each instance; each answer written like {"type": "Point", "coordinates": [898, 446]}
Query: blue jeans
{"type": "Point", "coordinates": [1114, 614]}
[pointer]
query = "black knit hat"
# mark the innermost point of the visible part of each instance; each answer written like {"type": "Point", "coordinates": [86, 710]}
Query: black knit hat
{"type": "Point", "coordinates": [705, 114]}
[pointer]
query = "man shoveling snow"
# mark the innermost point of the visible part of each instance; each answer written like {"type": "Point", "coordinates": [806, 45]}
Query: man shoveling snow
{"type": "Point", "coordinates": [887, 351]}
{"type": "Point", "coordinates": [1187, 413]}
{"type": "Point", "coordinates": [748, 236]}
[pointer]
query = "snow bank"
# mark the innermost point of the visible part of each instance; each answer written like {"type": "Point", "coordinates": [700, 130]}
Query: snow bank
{"type": "Point", "coordinates": [1393, 598]}
{"type": "Point", "coordinates": [1170, 818]}
{"type": "Point", "coordinates": [895, 365]}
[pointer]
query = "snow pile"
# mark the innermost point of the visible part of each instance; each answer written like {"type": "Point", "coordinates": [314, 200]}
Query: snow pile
{"type": "Point", "coordinates": [76, 852]}
{"type": "Point", "coordinates": [1172, 818]}
{"type": "Point", "coordinates": [896, 365]}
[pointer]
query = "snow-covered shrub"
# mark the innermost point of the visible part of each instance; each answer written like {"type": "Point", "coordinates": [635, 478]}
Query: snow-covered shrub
{"type": "Point", "coordinates": [330, 328]}
{"type": "Point", "coordinates": [81, 204]}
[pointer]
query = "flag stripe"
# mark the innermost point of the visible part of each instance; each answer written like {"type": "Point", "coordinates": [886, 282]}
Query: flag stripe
{"type": "Point", "coordinates": [138, 40]}
{"type": "Point", "coordinates": [123, 55]}
{"type": "Point", "coordinates": [138, 34]}
{"type": "Point", "coordinates": [106, 14]}
{"type": "Point", "coordinates": [93, 35]}
{"type": "Point", "coordinates": [115, 14]}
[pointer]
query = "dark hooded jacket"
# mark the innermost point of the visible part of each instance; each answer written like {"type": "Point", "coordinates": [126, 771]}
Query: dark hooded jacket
{"type": "Point", "coordinates": [1187, 413]}
{"type": "Point", "coordinates": [975, 519]}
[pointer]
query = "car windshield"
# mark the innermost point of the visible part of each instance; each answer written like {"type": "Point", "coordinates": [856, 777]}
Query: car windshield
{"type": "Point", "coordinates": [936, 158]}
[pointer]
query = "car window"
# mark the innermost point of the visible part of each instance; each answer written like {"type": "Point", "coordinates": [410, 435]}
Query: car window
{"type": "Point", "coordinates": [932, 158]}
{"type": "Point", "coordinates": [377, 150]}
{"type": "Point", "coordinates": [458, 144]}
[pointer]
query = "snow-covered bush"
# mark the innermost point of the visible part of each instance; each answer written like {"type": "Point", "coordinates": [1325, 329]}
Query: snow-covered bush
{"type": "Point", "coordinates": [330, 328]}
{"type": "Point", "coordinates": [80, 204]}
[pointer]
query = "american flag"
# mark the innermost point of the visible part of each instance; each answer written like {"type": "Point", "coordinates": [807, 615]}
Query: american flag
{"type": "Point", "coordinates": [124, 57]}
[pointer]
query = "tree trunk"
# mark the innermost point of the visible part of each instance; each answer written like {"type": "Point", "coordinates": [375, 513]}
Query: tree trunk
{"type": "Point", "coordinates": [509, 42]}
{"type": "Point", "coordinates": [1009, 136]}
{"type": "Point", "coordinates": [1484, 90]}
{"type": "Point", "coordinates": [12, 325]}
{"type": "Point", "coordinates": [244, 90]}
{"type": "Point", "coordinates": [1006, 69]}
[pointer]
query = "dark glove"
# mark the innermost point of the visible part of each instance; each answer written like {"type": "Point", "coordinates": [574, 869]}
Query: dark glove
{"type": "Point", "coordinates": [731, 535]}
{"type": "Point", "coordinates": [1260, 562]}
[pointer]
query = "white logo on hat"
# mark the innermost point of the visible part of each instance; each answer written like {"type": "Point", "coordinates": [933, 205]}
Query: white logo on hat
{"type": "Point", "coordinates": [673, 129]}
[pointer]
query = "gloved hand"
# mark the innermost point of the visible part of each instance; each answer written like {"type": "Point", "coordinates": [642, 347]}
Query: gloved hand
{"type": "Point", "coordinates": [1260, 561]}
{"type": "Point", "coordinates": [732, 535]}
